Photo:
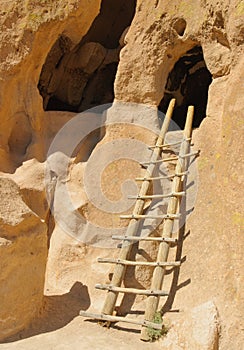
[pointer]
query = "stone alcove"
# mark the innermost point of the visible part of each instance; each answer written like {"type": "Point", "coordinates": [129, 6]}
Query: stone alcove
{"type": "Point", "coordinates": [188, 82]}
{"type": "Point", "coordinates": [81, 77]}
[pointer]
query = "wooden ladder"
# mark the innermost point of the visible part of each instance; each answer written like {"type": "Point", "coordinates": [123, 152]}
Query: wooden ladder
{"type": "Point", "coordinates": [155, 292]}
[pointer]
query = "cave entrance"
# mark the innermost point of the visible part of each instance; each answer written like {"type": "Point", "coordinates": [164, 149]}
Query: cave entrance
{"type": "Point", "coordinates": [188, 83]}
{"type": "Point", "coordinates": [79, 78]}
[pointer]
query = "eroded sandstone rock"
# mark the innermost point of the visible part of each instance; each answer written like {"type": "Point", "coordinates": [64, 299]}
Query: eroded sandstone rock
{"type": "Point", "coordinates": [29, 30]}
{"type": "Point", "coordinates": [197, 329]}
{"type": "Point", "coordinates": [23, 250]}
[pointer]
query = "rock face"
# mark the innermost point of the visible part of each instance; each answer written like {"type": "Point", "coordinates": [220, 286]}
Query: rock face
{"type": "Point", "coordinates": [57, 56]}
{"type": "Point", "coordinates": [171, 29]}
{"type": "Point", "coordinates": [23, 249]}
{"type": "Point", "coordinates": [29, 29]}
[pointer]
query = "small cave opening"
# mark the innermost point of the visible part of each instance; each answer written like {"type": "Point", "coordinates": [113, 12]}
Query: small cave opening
{"type": "Point", "coordinates": [180, 26]}
{"type": "Point", "coordinates": [188, 83]}
{"type": "Point", "coordinates": [78, 78]}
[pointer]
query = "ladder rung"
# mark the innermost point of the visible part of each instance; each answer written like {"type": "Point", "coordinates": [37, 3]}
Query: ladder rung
{"type": "Point", "coordinates": [173, 194]}
{"type": "Point", "coordinates": [135, 216]}
{"type": "Point", "coordinates": [154, 178]}
{"type": "Point", "coordinates": [110, 318]}
{"type": "Point", "coordinates": [138, 263]}
{"type": "Point", "coordinates": [171, 158]}
{"type": "Point", "coordinates": [160, 160]}
{"type": "Point", "coordinates": [160, 293]}
{"type": "Point", "coordinates": [170, 144]}
{"type": "Point", "coordinates": [137, 238]}
{"type": "Point", "coordinates": [190, 154]}
{"type": "Point", "coordinates": [161, 177]}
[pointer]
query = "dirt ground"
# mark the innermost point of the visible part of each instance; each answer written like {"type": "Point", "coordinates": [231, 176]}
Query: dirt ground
{"type": "Point", "coordinates": [62, 329]}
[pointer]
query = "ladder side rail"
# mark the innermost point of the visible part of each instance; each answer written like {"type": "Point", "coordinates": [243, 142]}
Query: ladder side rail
{"type": "Point", "coordinates": [120, 269]}
{"type": "Point", "coordinates": [159, 271]}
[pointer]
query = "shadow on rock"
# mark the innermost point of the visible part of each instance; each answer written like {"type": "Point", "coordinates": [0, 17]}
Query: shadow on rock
{"type": "Point", "coordinates": [58, 311]}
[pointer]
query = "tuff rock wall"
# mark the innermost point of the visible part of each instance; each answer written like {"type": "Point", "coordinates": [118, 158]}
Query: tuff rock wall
{"type": "Point", "coordinates": [28, 31]}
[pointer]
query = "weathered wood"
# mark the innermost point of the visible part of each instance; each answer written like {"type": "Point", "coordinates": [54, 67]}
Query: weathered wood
{"type": "Point", "coordinates": [138, 263]}
{"type": "Point", "coordinates": [138, 238]}
{"type": "Point", "coordinates": [171, 144]}
{"type": "Point", "coordinates": [120, 269]}
{"type": "Point", "coordinates": [151, 196]}
{"type": "Point", "coordinates": [131, 290]}
{"type": "Point", "coordinates": [159, 271]}
{"type": "Point", "coordinates": [171, 158]}
{"type": "Point", "coordinates": [196, 153]}
{"type": "Point", "coordinates": [161, 177]}
{"type": "Point", "coordinates": [103, 317]}
{"type": "Point", "coordinates": [166, 145]}
{"type": "Point", "coordinates": [160, 160]}
{"type": "Point", "coordinates": [134, 216]}
{"type": "Point", "coordinates": [154, 178]}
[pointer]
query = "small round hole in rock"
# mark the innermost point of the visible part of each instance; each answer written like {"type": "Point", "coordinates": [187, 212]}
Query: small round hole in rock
{"type": "Point", "coordinates": [180, 26]}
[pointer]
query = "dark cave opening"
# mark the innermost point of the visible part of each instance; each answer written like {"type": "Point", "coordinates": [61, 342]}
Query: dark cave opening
{"type": "Point", "coordinates": [188, 83]}
{"type": "Point", "coordinates": [83, 77]}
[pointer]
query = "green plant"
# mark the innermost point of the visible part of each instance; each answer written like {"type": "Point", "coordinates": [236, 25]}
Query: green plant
{"type": "Point", "coordinates": [155, 334]}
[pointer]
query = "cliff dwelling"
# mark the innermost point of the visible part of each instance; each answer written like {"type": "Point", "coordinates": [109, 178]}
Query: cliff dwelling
{"type": "Point", "coordinates": [188, 82]}
{"type": "Point", "coordinates": [81, 77]}
{"type": "Point", "coordinates": [121, 168]}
